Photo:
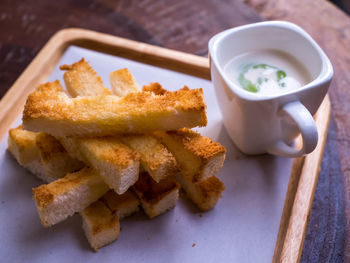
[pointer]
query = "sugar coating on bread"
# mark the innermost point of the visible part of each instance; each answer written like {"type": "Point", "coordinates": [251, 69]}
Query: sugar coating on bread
{"type": "Point", "coordinates": [100, 224]}
{"type": "Point", "coordinates": [117, 164]}
{"type": "Point", "coordinates": [197, 156]}
{"type": "Point", "coordinates": [155, 157]}
{"type": "Point", "coordinates": [50, 110]}
{"type": "Point", "coordinates": [156, 198]}
{"type": "Point", "coordinates": [204, 194]}
{"type": "Point", "coordinates": [62, 198]}
{"type": "Point", "coordinates": [122, 82]}
{"type": "Point", "coordinates": [124, 205]}
{"type": "Point", "coordinates": [82, 80]}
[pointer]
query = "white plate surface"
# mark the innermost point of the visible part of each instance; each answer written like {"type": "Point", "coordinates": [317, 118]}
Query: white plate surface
{"type": "Point", "coordinates": [242, 227]}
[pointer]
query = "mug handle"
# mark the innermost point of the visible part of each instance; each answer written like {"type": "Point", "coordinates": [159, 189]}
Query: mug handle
{"type": "Point", "coordinates": [306, 124]}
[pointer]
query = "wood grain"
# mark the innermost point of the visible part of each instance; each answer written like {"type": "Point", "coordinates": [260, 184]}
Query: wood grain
{"type": "Point", "coordinates": [26, 26]}
{"type": "Point", "coordinates": [288, 206]}
{"type": "Point", "coordinates": [325, 236]}
{"type": "Point", "coordinates": [37, 72]}
{"type": "Point", "coordinates": [302, 202]}
{"type": "Point", "coordinates": [330, 27]}
{"type": "Point", "coordinates": [305, 170]}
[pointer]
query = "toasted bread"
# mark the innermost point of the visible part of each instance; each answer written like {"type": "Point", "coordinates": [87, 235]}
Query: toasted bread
{"type": "Point", "coordinates": [54, 158]}
{"type": "Point", "coordinates": [41, 154]}
{"type": "Point", "coordinates": [62, 198]}
{"type": "Point", "coordinates": [123, 205]}
{"type": "Point", "coordinates": [204, 194]}
{"type": "Point", "coordinates": [123, 83]}
{"type": "Point", "coordinates": [50, 110]}
{"type": "Point", "coordinates": [156, 195]}
{"type": "Point", "coordinates": [81, 78]}
{"type": "Point", "coordinates": [156, 198]}
{"type": "Point", "coordinates": [155, 88]}
{"type": "Point", "coordinates": [155, 158]}
{"type": "Point", "coordinates": [117, 164]}
{"type": "Point", "coordinates": [101, 218]}
{"type": "Point", "coordinates": [198, 157]}
{"type": "Point", "coordinates": [22, 145]}
{"type": "Point", "coordinates": [100, 224]}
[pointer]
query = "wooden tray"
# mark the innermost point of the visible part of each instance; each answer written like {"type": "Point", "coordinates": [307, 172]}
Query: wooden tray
{"type": "Point", "coordinates": [305, 170]}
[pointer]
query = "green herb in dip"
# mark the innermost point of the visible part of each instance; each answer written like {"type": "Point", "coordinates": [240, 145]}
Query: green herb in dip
{"type": "Point", "coordinates": [262, 76]}
{"type": "Point", "coordinates": [267, 72]}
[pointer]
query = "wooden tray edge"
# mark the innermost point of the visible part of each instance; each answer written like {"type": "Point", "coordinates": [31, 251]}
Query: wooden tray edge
{"type": "Point", "coordinates": [304, 175]}
{"type": "Point", "coordinates": [12, 103]}
{"type": "Point", "coordinates": [300, 194]}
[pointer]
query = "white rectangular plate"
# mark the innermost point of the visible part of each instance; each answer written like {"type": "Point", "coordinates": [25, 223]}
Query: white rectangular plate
{"type": "Point", "coordinates": [243, 226]}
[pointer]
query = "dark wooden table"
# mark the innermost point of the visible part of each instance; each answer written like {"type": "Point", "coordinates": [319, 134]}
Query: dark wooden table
{"type": "Point", "coordinates": [26, 26]}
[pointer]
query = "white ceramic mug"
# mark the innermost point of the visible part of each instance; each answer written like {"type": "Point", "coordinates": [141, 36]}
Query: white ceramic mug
{"type": "Point", "coordinates": [260, 124]}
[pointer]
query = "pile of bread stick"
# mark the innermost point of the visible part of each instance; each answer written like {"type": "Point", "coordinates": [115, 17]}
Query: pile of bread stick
{"type": "Point", "coordinates": [104, 153]}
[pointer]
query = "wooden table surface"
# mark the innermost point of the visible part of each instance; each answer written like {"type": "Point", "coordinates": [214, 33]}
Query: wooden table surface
{"type": "Point", "coordinates": [26, 26]}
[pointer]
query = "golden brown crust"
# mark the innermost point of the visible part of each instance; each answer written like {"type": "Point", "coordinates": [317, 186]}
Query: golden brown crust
{"type": "Point", "coordinates": [152, 191]}
{"type": "Point", "coordinates": [43, 195]}
{"type": "Point", "coordinates": [56, 113]}
{"type": "Point", "coordinates": [211, 187]}
{"type": "Point", "coordinates": [49, 100]}
{"type": "Point", "coordinates": [122, 82]}
{"type": "Point", "coordinates": [100, 217]}
{"type": "Point", "coordinates": [205, 194]}
{"type": "Point", "coordinates": [197, 156]}
{"type": "Point", "coordinates": [46, 193]}
{"type": "Point", "coordinates": [186, 100]}
{"type": "Point", "coordinates": [121, 156]}
{"type": "Point", "coordinates": [41, 101]}
{"type": "Point", "coordinates": [49, 146]}
{"type": "Point", "coordinates": [155, 157]}
{"type": "Point", "coordinates": [110, 149]}
{"type": "Point", "coordinates": [114, 201]}
{"type": "Point", "coordinates": [82, 78]}
{"type": "Point", "coordinates": [22, 146]}
{"type": "Point", "coordinates": [199, 145]}
{"type": "Point", "coordinates": [155, 87]}
{"type": "Point", "coordinates": [41, 154]}
{"type": "Point", "coordinates": [22, 138]}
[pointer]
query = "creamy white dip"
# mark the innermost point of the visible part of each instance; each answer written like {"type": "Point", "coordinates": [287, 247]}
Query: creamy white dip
{"type": "Point", "coordinates": [267, 72]}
